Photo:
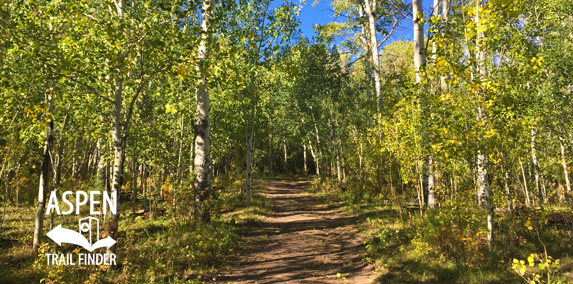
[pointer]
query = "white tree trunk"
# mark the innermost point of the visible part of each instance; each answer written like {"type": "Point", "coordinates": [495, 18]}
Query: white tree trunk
{"type": "Point", "coordinates": [536, 165]}
{"type": "Point", "coordinates": [304, 157]}
{"type": "Point", "coordinates": [369, 7]}
{"type": "Point", "coordinates": [435, 12]}
{"type": "Point", "coordinates": [430, 182]}
{"type": "Point", "coordinates": [420, 64]}
{"type": "Point", "coordinates": [118, 160]}
{"type": "Point", "coordinates": [57, 163]}
{"type": "Point", "coordinates": [179, 170]}
{"type": "Point", "coordinates": [445, 16]}
{"type": "Point", "coordinates": [249, 168]}
{"type": "Point", "coordinates": [286, 156]}
{"type": "Point", "coordinates": [271, 152]}
{"type": "Point", "coordinates": [446, 9]}
{"type": "Point", "coordinates": [250, 131]}
{"type": "Point", "coordinates": [507, 188]}
{"type": "Point", "coordinates": [101, 167]}
{"type": "Point", "coordinates": [202, 161]}
{"type": "Point", "coordinates": [341, 151]}
{"type": "Point", "coordinates": [564, 162]}
{"type": "Point", "coordinates": [118, 149]}
{"type": "Point", "coordinates": [484, 191]}
{"type": "Point", "coordinates": [44, 179]}
{"type": "Point", "coordinates": [134, 183]}
{"type": "Point", "coordinates": [419, 47]}
{"type": "Point", "coordinates": [526, 191]}
{"type": "Point", "coordinates": [314, 156]}
{"type": "Point", "coordinates": [343, 163]}
{"type": "Point", "coordinates": [367, 56]}
{"type": "Point", "coordinates": [318, 156]}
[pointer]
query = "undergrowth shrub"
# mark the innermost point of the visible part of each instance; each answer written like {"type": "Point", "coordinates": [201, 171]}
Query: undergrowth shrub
{"type": "Point", "coordinates": [454, 233]}
{"type": "Point", "coordinates": [157, 250]}
{"type": "Point", "coordinates": [323, 185]}
{"type": "Point", "coordinates": [544, 272]}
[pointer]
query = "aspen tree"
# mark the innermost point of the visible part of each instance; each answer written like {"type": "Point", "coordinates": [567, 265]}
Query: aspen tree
{"type": "Point", "coordinates": [202, 162]}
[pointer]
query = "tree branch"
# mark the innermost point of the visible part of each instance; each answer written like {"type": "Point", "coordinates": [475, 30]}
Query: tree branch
{"type": "Point", "coordinates": [137, 92]}
{"type": "Point", "coordinates": [89, 87]}
{"type": "Point", "coordinates": [394, 25]}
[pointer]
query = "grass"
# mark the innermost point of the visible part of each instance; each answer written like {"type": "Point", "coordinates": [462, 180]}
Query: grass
{"type": "Point", "coordinates": [170, 248]}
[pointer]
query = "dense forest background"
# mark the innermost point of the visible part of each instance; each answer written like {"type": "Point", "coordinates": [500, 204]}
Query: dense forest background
{"type": "Point", "coordinates": [184, 108]}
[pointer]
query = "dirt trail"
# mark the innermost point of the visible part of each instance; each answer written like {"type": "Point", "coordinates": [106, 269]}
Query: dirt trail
{"type": "Point", "coordinates": [304, 240]}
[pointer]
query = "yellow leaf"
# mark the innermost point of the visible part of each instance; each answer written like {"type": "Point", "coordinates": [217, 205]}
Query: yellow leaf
{"type": "Point", "coordinates": [530, 260]}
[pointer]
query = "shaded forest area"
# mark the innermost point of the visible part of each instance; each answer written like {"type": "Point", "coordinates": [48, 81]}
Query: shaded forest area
{"type": "Point", "coordinates": [453, 150]}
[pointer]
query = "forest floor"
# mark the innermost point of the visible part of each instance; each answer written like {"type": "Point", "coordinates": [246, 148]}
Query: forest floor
{"type": "Point", "coordinates": [297, 230]}
{"type": "Point", "coordinates": [304, 239]}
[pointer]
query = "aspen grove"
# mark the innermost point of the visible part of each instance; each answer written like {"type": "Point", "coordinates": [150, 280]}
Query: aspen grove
{"type": "Point", "coordinates": [444, 127]}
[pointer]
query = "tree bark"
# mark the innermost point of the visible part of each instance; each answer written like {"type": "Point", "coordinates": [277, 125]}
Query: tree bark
{"type": "Point", "coordinates": [420, 65]}
{"type": "Point", "coordinates": [180, 153]}
{"type": "Point", "coordinates": [145, 187]}
{"type": "Point", "coordinates": [304, 157]}
{"type": "Point", "coordinates": [250, 131]}
{"type": "Point", "coordinates": [369, 7]}
{"type": "Point", "coordinates": [341, 151]}
{"type": "Point", "coordinates": [564, 162]}
{"type": "Point", "coordinates": [536, 165]}
{"type": "Point", "coordinates": [118, 161]}
{"type": "Point", "coordinates": [44, 179]}
{"type": "Point", "coordinates": [435, 12]}
{"type": "Point", "coordinates": [249, 169]}
{"type": "Point", "coordinates": [134, 183]}
{"type": "Point", "coordinates": [337, 153]}
{"type": "Point", "coordinates": [100, 171]}
{"type": "Point", "coordinates": [367, 56]}
{"type": "Point", "coordinates": [57, 166]}
{"type": "Point", "coordinates": [318, 156]}
{"type": "Point", "coordinates": [286, 156]}
{"type": "Point", "coordinates": [445, 16]}
{"type": "Point", "coordinates": [343, 162]}
{"type": "Point", "coordinates": [419, 47]}
{"type": "Point", "coordinates": [429, 183]}
{"type": "Point", "coordinates": [119, 141]}
{"type": "Point", "coordinates": [202, 162]}
{"type": "Point", "coordinates": [271, 153]}
{"type": "Point", "coordinates": [314, 156]}
{"type": "Point", "coordinates": [506, 182]}
{"type": "Point", "coordinates": [526, 191]}
{"type": "Point", "coordinates": [484, 191]}
{"type": "Point", "coordinates": [17, 185]}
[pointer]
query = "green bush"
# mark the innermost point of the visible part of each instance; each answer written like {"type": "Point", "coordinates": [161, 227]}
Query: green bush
{"type": "Point", "coordinates": [453, 233]}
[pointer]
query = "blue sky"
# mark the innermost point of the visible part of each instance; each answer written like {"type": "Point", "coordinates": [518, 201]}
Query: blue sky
{"type": "Point", "coordinates": [322, 15]}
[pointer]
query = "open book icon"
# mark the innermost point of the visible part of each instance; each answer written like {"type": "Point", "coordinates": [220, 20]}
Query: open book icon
{"type": "Point", "coordinates": [62, 235]}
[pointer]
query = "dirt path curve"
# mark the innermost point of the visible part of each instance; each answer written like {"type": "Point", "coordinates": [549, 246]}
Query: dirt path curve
{"type": "Point", "coordinates": [304, 240]}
